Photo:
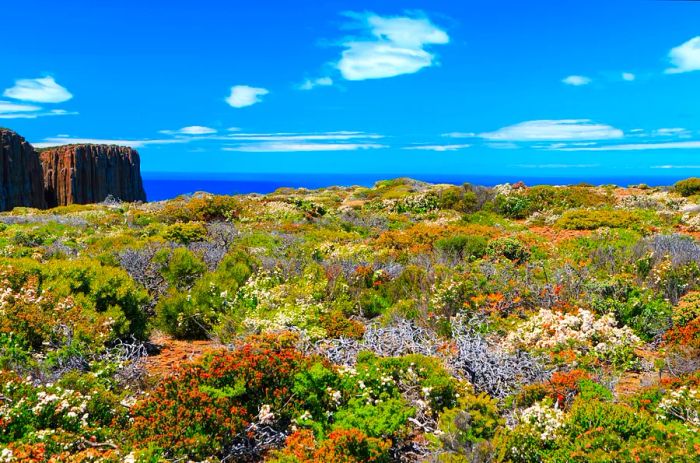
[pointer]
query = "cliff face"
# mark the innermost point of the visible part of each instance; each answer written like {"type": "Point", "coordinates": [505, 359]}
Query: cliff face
{"type": "Point", "coordinates": [83, 174]}
{"type": "Point", "coordinates": [20, 173]}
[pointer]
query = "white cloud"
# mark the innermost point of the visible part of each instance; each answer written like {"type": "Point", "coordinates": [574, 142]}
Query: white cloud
{"type": "Point", "coordinates": [284, 147]}
{"type": "Point", "coordinates": [685, 57]}
{"type": "Point", "coordinates": [61, 140]}
{"type": "Point", "coordinates": [503, 146]}
{"type": "Point", "coordinates": [392, 46]}
{"type": "Point", "coordinates": [671, 166]}
{"type": "Point", "coordinates": [636, 146]}
{"type": "Point", "coordinates": [556, 166]}
{"type": "Point", "coordinates": [325, 136]}
{"type": "Point", "coordinates": [8, 107]}
{"type": "Point", "coordinates": [310, 84]}
{"type": "Point", "coordinates": [40, 90]}
{"type": "Point", "coordinates": [577, 81]}
{"type": "Point", "coordinates": [10, 110]}
{"type": "Point", "coordinates": [628, 76]}
{"type": "Point", "coordinates": [555, 130]}
{"type": "Point", "coordinates": [460, 135]}
{"type": "Point", "coordinates": [190, 130]}
{"type": "Point", "coordinates": [438, 148]}
{"type": "Point", "coordinates": [244, 95]}
{"type": "Point", "coordinates": [672, 132]}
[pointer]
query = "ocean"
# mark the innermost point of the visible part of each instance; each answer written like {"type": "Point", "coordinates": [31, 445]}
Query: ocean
{"type": "Point", "coordinates": [167, 185]}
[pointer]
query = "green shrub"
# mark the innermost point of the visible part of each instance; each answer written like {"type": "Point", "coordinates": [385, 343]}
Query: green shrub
{"type": "Point", "coordinates": [523, 203]}
{"type": "Point", "coordinates": [462, 247]}
{"type": "Point", "coordinates": [195, 314]}
{"type": "Point", "coordinates": [583, 219]}
{"type": "Point", "coordinates": [510, 248]}
{"type": "Point", "coordinates": [95, 288]}
{"type": "Point", "coordinates": [181, 267]}
{"type": "Point", "coordinates": [515, 206]}
{"type": "Point", "coordinates": [645, 312]}
{"type": "Point", "coordinates": [687, 310]}
{"type": "Point", "coordinates": [185, 233]}
{"type": "Point", "coordinates": [688, 187]}
{"type": "Point", "coordinates": [201, 208]}
{"type": "Point", "coordinates": [474, 420]}
{"type": "Point", "coordinates": [460, 199]}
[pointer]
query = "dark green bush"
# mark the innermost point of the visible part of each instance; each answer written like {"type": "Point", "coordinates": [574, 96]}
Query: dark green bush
{"type": "Point", "coordinates": [181, 267]}
{"type": "Point", "coordinates": [195, 314]}
{"type": "Point", "coordinates": [460, 247]}
{"type": "Point", "coordinates": [688, 187]}
{"type": "Point", "coordinates": [510, 248]}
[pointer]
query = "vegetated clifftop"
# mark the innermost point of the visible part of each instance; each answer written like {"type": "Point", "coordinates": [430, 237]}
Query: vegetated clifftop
{"type": "Point", "coordinates": [20, 173]}
{"type": "Point", "coordinates": [83, 174]}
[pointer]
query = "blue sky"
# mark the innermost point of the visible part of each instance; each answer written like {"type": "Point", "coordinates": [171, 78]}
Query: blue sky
{"type": "Point", "coordinates": [545, 88]}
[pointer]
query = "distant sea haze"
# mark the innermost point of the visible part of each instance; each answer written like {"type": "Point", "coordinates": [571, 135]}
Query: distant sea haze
{"type": "Point", "coordinates": [168, 185]}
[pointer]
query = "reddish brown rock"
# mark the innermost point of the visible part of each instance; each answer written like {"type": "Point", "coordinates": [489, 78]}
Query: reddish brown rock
{"type": "Point", "coordinates": [83, 174]}
{"type": "Point", "coordinates": [20, 173]}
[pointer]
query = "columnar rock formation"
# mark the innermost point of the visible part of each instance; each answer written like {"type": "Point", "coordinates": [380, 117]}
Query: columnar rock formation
{"type": "Point", "coordinates": [75, 174]}
{"type": "Point", "coordinates": [83, 174]}
{"type": "Point", "coordinates": [20, 173]}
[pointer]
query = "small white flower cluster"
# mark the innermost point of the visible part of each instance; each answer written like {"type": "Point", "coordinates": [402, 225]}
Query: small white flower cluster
{"type": "Point", "coordinates": [72, 403]}
{"type": "Point", "coordinates": [269, 210]}
{"type": "Point", "coordinates": [345, 370]}
{"type": "Point", "coordinates": [52, 403]}
{"type": "Point", "coordinates": [682, 404]}
{"type": "Point", "coordinates": [27, 296]}
{"type": "Point", "coordinates": [545, 419]}
{"type": "Point", "coordinates": [692, 221]}
{"type": "Point", "coordinates": [266, 416]}
{"type": "Point", "coordinates": [447, 295]}
{"type": "Point", "coordinates": [335, 396]}
{"type": "Point", "coordinates": [658, 200]}
{"type": "Point", "coordinates": [6, 456]}
{"type": "Point", "coordinates": [548, 329]}
{"type": "Point", "coordinates": [373, 394]}
{"type": "Point", "coordinates": [444, 217]}
{"type": "Point", "coordinates": [504, 189]}
{"type": "Point", "coordinates": [257, 290]}
{"type": "Point", "coordinates": [543, 218]}
{"type": "Point", "coordinates": [416, 203]}
{"type": "Point", "coordinates": [9, 297]}
{"type": "Point", "coordinates": [274, 306]}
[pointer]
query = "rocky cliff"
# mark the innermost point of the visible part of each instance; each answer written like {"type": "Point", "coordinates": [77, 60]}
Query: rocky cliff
{"type": "Point", "coordinates": [75, 174]}
{"type": "Point", "coordinates": [20, 173]}
{"type": "Point", "coordinates": [82, 174]}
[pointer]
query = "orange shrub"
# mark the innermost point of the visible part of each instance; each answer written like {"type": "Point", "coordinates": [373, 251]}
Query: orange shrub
{"type": "Point", "coordinates": [341, 446]}
{"type": "Point", "coordinates": [199, 410]}
{"type": "Point", "coordinates": [421, 237]}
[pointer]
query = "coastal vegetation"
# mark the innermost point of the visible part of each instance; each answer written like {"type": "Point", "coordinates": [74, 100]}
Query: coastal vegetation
{"type": "Point", "coordinates": [398, 323]}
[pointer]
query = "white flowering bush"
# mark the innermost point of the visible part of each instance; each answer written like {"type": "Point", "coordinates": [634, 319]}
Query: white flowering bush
{"type": "Point", "coordinates": [418, 203]}
{"type": "Point", "coordinates": [271, 305]}
{"type": "Point", "coordinates": [545, 419]}
{"type": "Point", "coordinates": [449, 296]}
{"type": "Point", "coordinates": [36, 413]}
{"type": "Point", "coordinates": [682, 404]}
{"type": "Point", "coordinates": [274, 211]}
{"type": "Point", "coordinates": [582, 330]}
